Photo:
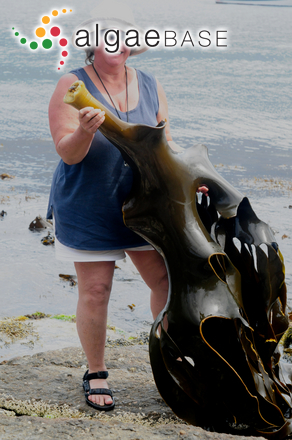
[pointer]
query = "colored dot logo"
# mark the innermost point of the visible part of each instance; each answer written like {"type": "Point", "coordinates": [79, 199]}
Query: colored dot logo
{"type": "Point", "coordinates": [46, 19]}
{"type": "Point", "coordinates": [55, 31]}
{"type": "Point", "coordinates": [47, 34]}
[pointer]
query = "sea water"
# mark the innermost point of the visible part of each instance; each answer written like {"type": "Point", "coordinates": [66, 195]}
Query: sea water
{"type": "Point", "coordinates": [234, 99]}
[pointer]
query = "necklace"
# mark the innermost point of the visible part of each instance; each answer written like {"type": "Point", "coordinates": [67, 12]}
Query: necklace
{"type": "Point", "coordinates": [110, 95]}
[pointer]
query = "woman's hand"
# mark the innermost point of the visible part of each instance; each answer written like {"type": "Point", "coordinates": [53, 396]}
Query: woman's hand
{"type": "Point", "coordinates": [90, 119]}
{"type": "Point", "coordinates": [72, 131]}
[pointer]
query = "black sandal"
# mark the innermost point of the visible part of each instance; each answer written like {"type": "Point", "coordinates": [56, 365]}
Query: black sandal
{"type": "Point", "coordinates": [89, 391]}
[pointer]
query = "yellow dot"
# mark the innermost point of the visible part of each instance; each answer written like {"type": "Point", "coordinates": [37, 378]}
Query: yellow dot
{"type": "Point", "coordinates": [40, 32]}
{"type": "Point", "coordinates": [46, 19]}
{"type": "Point", "coordinates": [64, 11]}
{"type": "Point", "coordinates": [55, 13]}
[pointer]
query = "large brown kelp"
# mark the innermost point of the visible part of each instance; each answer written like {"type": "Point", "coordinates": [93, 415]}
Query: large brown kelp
{"type": "Point", "coordinates": [213, 349]}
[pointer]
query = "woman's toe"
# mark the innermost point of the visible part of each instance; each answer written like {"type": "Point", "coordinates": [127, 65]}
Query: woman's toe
{"type": "Point", "coordinates": [101, 400]}
{"type": "Point", "coordinates": [94, 399]}
{"type": "Point", "coordinates": [108, 400]}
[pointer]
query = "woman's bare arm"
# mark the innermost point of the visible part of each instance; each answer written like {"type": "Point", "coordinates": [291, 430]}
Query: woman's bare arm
{"type": "Point", "coordinates": [72, 131]}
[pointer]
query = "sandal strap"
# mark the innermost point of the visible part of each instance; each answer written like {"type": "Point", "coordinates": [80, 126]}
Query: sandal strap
{"type": "Point", "coordinates": [100, 391]}
{"type": "Point", "coordinates": [98, 375]}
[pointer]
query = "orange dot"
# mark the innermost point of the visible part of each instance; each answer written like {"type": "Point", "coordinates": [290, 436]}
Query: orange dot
{"type": "Point", "coordinates": [70, 10]}
{"type": "Point", "coordinates": [40, 32]}
{"type": "Point", "coordinates": [55, 13]}
{"type": "Point", "coordinates": [64, 11]}
{"type": "Point", "coordinates": [46, 19]}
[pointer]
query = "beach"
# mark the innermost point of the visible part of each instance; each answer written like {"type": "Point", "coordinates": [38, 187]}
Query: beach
{"type": "Point", "coordinates": [140, 413]}
{"type": "Point", "coordinates": [236, 100]}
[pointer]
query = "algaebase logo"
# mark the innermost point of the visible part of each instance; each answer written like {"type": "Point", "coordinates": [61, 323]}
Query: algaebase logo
{"type": "Point", "coordinates": [47, 35]}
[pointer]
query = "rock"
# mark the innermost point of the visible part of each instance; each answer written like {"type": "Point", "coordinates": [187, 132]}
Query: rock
{"type": "Point", "coordinates": [38, 224]}
{"type": "Point", "coordinates": [49, 384]}
{"type": "Point", "coordinates": [48, 239]}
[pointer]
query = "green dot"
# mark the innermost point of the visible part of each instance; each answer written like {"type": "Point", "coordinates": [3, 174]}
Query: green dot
{"type": "Point", "coordinates": [16, 34]}
{"type": "Point", "coordinates": [12, 28]}
{"type": "Point", "coordinates": [47, 44]}
{"type": "Point", "coordinates": [33, 45]}
{"type": "Point", "coordinates": [23, 40]}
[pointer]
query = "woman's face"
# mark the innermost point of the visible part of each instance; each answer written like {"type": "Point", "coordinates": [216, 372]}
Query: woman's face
{"type": "Point", "coordinates": [111, 50]}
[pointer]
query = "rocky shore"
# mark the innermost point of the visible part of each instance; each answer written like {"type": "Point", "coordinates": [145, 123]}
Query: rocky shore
{"type": "Point", "coordinates": [41, 397]}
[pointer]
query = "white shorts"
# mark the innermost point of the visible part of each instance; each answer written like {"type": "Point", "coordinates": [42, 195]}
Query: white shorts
{"type": "Point", "coordinates": [75, 255]}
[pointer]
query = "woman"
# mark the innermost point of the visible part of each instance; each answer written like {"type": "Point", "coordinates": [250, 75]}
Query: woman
{"type": "Point", "coordinates": [91, 183]}
{"type": "Point", "coordinates": [78, 143]}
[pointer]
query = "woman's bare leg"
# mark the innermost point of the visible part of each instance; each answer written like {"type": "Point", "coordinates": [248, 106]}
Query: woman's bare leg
{"type": "Point", "coordinates": [94, 285]}
{"type": "Point", "coordinates": [151, 267]}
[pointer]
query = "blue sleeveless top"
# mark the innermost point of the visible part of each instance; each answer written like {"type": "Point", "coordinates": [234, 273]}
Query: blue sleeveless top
{"type": "Point", "coordinates": [86, 198]}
